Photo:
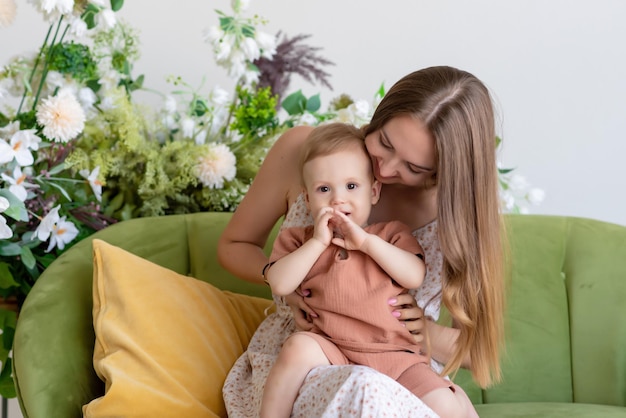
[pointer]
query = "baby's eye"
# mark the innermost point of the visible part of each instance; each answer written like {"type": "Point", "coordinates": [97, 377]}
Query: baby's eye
{"type": "Point", "coordinates": [351, 186]}
{"type": "Point", "coordinates": [324, 189]}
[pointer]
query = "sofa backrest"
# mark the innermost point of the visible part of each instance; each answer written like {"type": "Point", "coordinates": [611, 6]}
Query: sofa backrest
{"type": "Point", "coordinates": [565, 321]}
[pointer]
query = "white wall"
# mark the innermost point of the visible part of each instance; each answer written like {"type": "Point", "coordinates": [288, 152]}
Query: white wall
{"type": "Point", "coordinates": [556, 67]}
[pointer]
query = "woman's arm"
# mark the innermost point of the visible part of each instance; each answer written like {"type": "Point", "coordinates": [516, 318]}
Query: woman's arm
{"type": "Point", "coordinates": [240, 248]}
{"type": "Point", "coordinates": [442, 338]}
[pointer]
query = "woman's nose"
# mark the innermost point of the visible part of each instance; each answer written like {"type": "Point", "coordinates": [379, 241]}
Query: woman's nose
{"type": "Point", "coordinates": [388, 168]}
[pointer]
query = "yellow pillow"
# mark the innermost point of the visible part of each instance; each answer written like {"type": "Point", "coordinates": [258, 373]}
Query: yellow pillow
{"type": "Point", "coordinates": [164, 341]}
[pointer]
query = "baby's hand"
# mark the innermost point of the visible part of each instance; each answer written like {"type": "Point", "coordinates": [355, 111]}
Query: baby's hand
{"type": "Point", "coordinates": [323, 229]}
{"type": "Point", "coordinates": [352, 235]}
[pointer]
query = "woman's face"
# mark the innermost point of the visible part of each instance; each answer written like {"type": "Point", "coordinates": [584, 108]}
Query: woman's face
{"type": "Point", "coordinates": [402, 152]}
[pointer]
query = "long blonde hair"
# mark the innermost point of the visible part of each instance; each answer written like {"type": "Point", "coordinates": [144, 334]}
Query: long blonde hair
{"type": "Point", "coordinates": [456, 107]}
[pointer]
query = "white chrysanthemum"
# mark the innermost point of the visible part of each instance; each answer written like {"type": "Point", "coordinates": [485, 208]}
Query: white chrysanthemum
{"type": "Point", "coordinates": [7, 12]}
{"type": "Point", "coordinates": [61, 116]}
{"type": "Point", "coordinates": [536, 196]}
{"type": "Point", "coordinates": [53, 9]}
{"type": "Point", "coordinates": [216, 166]}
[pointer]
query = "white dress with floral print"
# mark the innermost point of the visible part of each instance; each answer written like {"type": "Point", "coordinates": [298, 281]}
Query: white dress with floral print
{"type": "Point", "coordinates": [331, 391]}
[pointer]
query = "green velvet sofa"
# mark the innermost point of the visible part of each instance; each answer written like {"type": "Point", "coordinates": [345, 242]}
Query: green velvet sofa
{"type": "Point", "coordinates": [566, 316]}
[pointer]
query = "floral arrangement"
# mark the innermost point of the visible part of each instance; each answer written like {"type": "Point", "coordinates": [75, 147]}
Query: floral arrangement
{"type": "Point", "coordinates": [77, 153]}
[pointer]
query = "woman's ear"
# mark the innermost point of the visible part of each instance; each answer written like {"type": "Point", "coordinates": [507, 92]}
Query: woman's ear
{"type": "Point", "coordinates": [376, 186]}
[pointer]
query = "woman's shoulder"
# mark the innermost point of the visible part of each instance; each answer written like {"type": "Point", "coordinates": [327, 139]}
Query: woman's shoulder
{"type": "Point", "coordinates": [291, 140]}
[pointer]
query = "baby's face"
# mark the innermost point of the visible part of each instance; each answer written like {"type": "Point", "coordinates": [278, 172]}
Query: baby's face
{"type": "Point", "coordinates": [343, 181]}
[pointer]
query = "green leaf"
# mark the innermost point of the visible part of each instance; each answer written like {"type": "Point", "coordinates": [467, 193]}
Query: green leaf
{"type": "Point", "coordinates": [7, 386]}
{"type": "Point", "coordinates": [90, 17]}
{"type": "Point", "coordinates": [16, 209]}
{"type": "Point", "coordinates": [226, 23]}
{"type": "Point", "coordinates": [381, 91]}
{"type": "Point", "coordinates": [62, 190]}
{"type": "Point", "coordinates": [6, 278]}
{"type": "Point", "coordinates": [247, 31]}
{"type": "Point", "coordinates": [313, 104]}
{"type": "Point", "coordinates": [116, 5]}
{"type": "Point", "coordinates": [200, 108]}
{"type": "Point", "coordinates": [9, 249]}
{"type": "Point", "coordinates": [295, 103]}
{"type": "Point", "coordinates": [57, 169]}
{"type": "Point", "coordinates": [28, 259]}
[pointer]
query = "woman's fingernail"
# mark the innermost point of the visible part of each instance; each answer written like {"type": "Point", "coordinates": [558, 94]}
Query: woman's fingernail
{"type": "Point", "coordinates": [314, 315]}
{"type": "Point", "coordinates": [392, 301]}
{"type": "Point", "coordinates": [396, 314]}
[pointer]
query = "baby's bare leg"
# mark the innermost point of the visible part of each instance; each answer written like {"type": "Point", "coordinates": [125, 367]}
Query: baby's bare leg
{"type": "Point", "coordinates": [299, 354]}
{"type": "Point", "coordinates": [450, 404]}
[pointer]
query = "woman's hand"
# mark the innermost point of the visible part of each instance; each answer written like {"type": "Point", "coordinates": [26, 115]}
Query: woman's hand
{"type": "Point", "coordinates": [302, 313]}
{"type": "Point", "coordinates": [412, 316]}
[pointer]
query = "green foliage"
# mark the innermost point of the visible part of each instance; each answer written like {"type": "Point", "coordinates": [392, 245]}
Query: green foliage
{"type": "Point", "coordinates": [254, 112]}
{"type": "Point", "coordinates": [73, 59]}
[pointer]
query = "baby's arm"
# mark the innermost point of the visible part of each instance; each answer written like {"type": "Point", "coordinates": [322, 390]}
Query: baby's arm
{"type": "Point", "coordinates": [404, 267]}
{"type": "Point", "coordinates": [285, 274]}
{"type": "Point", "coordinates": [407, 269]}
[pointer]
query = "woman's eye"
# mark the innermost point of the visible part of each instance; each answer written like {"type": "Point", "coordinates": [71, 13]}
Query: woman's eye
{"type": "Point", "coordinates": [351, 186]}
{"type": "Point", "coordinates": [384, 142]}
{"type": "Point", "coordinates": [414, 170]}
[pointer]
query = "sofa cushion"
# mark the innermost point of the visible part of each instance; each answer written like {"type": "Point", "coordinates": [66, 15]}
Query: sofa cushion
{"type": "Point", "coordinates": [549, 409]}
{"type": "Point", "coordinates": [155, 338]}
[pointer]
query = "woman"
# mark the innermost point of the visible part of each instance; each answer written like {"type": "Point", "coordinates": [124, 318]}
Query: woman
{"type": "Point", "coordinates": [432, 144]}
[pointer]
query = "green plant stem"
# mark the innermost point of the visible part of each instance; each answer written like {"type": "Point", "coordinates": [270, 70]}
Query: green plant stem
{"type": "Point", "coordinates": [44, 179]}
{"type": "Point", "coordinates": [230, 110]}
{"type": "Point", "coordinates": [32, 73]}
{"type": "Point", "coordinates": [44, 72]}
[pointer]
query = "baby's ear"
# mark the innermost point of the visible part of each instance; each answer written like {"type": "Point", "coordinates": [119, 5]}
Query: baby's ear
{"type": "Point", "coordinates": [306, 198]}
{"type": "Point", "coordinates": [376, 186]}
